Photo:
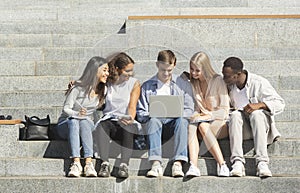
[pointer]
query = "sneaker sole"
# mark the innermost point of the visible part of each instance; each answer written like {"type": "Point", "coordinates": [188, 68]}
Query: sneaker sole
{"type": "Point", "coordinates": [192, 175]}
{"type": "Point", "coordinates": [103, 176]}
{"type": "Point", "coordinates": [225, 175]}
{"type": "Point", "coordinates": [151, 175]}
{"type": "Point", "coordinates": [177, 175]}
{"type": "Point", "coordinates": [238, 174]}
{"type": "Point", "coordinates": [90, 175]}
{"type": "Point", "coordinates": [264, 175]}
{"type": "Point", "coordinates": [73, 175]}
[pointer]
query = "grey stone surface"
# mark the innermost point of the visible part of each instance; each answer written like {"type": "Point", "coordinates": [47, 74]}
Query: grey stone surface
{"type": "Point", "coordinates": [23, 54]}
{"type": "Point", "coordinates": [288, 129]}
{"type": "Point", "coordinates": [291, 113]}
{"type": "Point", "coordinates": [276, 3]}
{"type": "Point", "coordinates": [20, 112]}
{"type": "Point", "coordinates": [139, 167]}
{"type": "Point", "coordinates": [142, 184]}
{"type": "Point", "coordinates": [34, 167]}
{"type": "Point", "coordinates": [34, 83]}
{"type": "Point", "coordinates": [17, 68]}
{"type": "Point", "coordinates": [32, 99]}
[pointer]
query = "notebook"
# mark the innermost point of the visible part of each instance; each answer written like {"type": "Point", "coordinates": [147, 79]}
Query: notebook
{"type": "Point", "coordinates": [166, 106]}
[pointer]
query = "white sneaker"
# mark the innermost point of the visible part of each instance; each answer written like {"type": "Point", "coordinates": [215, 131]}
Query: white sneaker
{"type": "Point", "coordinates": [75, 169]}
{"type": "Point", "coordinates": [177, 170]}
{"type": "Point", "coordinates": [156, 170]}
{"type": "Point", "coordinates": [193, 171]}
{"type": "Point", "coordinates": [238, 169]}
{"type": "Point", "coordinates": [223, 170]}
{"type": "Point", "coordinates": [89, 170]}
{"type": "Point", "coordinates": [263, 170]}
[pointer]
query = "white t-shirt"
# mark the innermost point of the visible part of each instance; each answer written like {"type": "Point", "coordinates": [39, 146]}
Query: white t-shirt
{"type": "Point", "coordinates": [240, 97]}
{"type": "Point", "coordinates": [163, 88]}
{"type": "Point", "coordinates": [118, 97]}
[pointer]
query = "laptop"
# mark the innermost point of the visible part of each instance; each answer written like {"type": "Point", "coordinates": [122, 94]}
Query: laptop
{"type": "Point", "coordinates": [166, 106]}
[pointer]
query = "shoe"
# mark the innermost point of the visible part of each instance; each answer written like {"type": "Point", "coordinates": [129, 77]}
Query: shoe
{"type": "Point", "coordinates": [123, 171]}
{"type": "Point", "coordinates": [223, 170]}
{"type": "Point", "coordinates": [104, 170]}
{"type": "Point", "coordinates": [75, 169]}
{"type": "Point", "coordinates": [89, 170]}
{"type": "Point", "coordinates": [193, 171]}
{"type": "Point", "coordinates": [177, 170]}
{"type": "Point", "coordinates": [238, 169]}
{"type": "Point", "coordinates": [263, 170]}
{"type": "Point", "coordinates": [156, 170]}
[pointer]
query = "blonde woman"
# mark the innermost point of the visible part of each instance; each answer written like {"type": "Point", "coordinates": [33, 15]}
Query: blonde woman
{"type": "Point", "coordinates": [211, 111]}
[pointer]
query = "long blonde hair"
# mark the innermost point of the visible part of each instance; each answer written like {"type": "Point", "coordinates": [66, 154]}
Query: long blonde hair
{"type": "Point", "coordinates": [201, 60]}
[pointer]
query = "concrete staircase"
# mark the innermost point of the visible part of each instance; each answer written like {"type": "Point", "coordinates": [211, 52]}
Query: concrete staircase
{"type": "Point", "coordinates": [36, 166]}
{"type": "Point", "coordinates": [45, 44]}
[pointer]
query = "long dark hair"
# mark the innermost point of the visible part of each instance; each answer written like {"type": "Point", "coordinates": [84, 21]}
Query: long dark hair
{"type": "Point", "coordinates": [117, 62]}
{"type": "Point", "coordinates": [89, 80]}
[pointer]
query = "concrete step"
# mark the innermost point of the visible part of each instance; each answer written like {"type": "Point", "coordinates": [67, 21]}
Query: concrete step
{"type": "Point", "coordinates": [75, 11]}
{"type": "Point", "coordinates": [280, 166]}
{"type": "Point", "coordinates": [209, 184]}
{"type": "Point", "coordinates": [60, 149]}
{"type": "Point", "coordinates": [220, 40]}
{"type": "Point", "coordinates": [61, 27]}
{"type": "Point", "coordinates": [40, 98]}
{"type": "Point", "coordinates": [12, 147]}
{"type": "Point", "coordinates": [50, 40]}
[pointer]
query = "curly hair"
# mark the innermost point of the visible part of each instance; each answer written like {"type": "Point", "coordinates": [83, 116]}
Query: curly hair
{"type": "Point", "coordinates": [117, 62]}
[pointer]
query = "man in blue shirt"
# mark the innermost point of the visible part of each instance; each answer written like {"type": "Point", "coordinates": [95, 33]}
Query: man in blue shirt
{"type": "Point", "coordinates": [166, 83]}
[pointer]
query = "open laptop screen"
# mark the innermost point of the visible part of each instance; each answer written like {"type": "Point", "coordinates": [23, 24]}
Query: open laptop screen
{"type": "Point", "coordinates": [168, 106]}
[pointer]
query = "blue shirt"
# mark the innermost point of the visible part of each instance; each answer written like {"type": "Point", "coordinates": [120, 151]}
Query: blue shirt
{"type": "Point", "coordinates": [178, 86]}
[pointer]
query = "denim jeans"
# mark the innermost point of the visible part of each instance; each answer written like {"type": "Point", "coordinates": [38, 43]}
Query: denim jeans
{"type": "Point", "coordinates": [76, 131]}
{"type": "Point", "coordinates": [178, 128]}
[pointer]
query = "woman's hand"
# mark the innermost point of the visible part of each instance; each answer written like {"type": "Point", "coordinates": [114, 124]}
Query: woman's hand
{"type": "Point", "coordinates": [71, 83]}
{"type": "Point", "coordinates": [200, 116]}
{"type": "Point", "coordinates": [126, 120]}
{"type": "Point", "coordinates": [82, 112]}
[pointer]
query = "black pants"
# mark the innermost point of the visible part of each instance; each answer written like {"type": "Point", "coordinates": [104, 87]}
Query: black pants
{"type": "Point", "coordinates": [111, 130]}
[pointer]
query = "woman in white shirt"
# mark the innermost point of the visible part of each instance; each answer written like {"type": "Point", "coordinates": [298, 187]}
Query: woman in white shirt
{"type": "Point", "coordinates": [119, 114]}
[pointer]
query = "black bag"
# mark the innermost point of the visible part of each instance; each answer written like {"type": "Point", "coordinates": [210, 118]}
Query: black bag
{"type": "Point", "coordinates": [36, 128]}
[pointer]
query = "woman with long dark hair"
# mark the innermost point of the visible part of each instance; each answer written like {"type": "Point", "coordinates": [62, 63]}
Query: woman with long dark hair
{"type": "Point", "coordinates": [76, 122]}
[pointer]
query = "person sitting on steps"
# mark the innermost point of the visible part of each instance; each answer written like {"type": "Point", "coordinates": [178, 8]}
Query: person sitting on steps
{"type": "Point", "coordinates": [76, 120]}
{"type": "Point", "coordinates": [255, 102]}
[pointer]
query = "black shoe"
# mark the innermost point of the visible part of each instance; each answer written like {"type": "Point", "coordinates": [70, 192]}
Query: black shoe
{"type": "Point", "coordinates": [104, 170]}
{"type": "Point", "coordinates": [123, 171]}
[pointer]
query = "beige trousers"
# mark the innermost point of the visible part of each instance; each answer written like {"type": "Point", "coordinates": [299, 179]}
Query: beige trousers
{"type": "Point", "coordinates": [243, 126]}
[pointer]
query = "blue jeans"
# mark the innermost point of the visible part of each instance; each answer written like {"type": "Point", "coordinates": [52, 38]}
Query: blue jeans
{"type": "Point", "coordinates": [178, 128]}
{"type": "Point", "coordinates": [76, 131]}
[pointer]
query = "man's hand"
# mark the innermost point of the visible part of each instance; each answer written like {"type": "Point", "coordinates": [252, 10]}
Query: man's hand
{"type": "Point", "coordinates": [249, 108]}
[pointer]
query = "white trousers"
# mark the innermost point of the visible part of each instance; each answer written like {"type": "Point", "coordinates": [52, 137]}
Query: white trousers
{"type": "Point", "coordinates": [243, 126]}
